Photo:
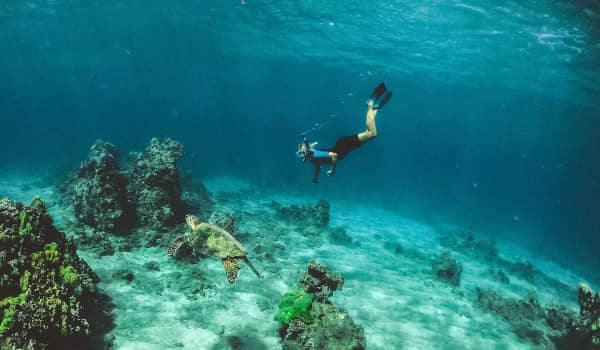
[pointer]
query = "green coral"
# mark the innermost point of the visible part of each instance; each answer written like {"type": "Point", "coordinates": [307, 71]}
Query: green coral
{"type": "Point", "coordinates": [295, 305]}
{"type": "Point", "coordinates": [50, 255]}
{"type": "Point", "coordinates": [596, 325]}
{"type": "Point", "coordinates": [7, 321]}
{"type": "Point", "coordinates": [24, 281]}
{"type": "Point", "coordinates": [51, 252]}
{"type": "Point", "coordinates": [25, 226]}
{"type": "Point", "coordinates": [9, 305]}
{"type": "Point", "coordinates": [68, 274]}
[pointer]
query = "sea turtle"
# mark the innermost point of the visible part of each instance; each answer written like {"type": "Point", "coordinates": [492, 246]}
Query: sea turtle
{"type": "Point", "coordinates": [211, 240]}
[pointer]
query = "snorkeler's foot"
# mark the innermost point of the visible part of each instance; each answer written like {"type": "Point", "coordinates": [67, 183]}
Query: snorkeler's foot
{"type": "Point", "coordinates": [385, 99]}
{"type": "Point", "coordinates": [377, 92]}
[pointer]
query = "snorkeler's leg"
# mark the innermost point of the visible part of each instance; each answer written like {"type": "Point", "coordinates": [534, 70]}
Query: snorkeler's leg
{"type": "Point", "coordinates": [371, 131]}
{"type": "Point", "coordinates": [317, 172]}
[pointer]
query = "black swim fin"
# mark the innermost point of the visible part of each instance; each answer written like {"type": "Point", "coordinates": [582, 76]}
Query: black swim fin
{"type": "Point", "coordinates": [385, 99]}
{"type": "Point", "coordinates": [378, 91]}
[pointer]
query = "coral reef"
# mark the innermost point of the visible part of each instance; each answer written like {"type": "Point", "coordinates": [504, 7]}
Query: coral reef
{"type": "Point", "coordinates": [526, 317]}
{"type": "Point", "coordinates": [145, 204]}
{"type": "Point", "coordinates": [319, 281]}
{"type": "Point", "coordinates": [97, 190]}
{"type": "Point", "coordinates": [466, 242]}
{"type": "Point", "coordinates": [447, 269]}
{"type": "Point", "coordinates": [96, 241]}
{"type": "Point", "coordinates": [48, 295]}
{"type": "Point", "coordinates": [394, 248]}
{"type": "Point", "coordinates": [310, 321]}
{"type": "Point", "coordinates": [500, 276]}
{"type": "Point", "coordinates": [588, 324]}
{"type": "Point", "coordinates": [154, 184]}
{"type": "Point", "coordinates": [317, 215]}
{"type": "Point", "coordinates": [560, 318]}
{"type": "Point", "coordinates": [338, 235]}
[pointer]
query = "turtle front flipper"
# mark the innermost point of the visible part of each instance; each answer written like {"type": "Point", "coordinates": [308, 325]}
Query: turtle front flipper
{"type": "Point", "coordinates": [231, 269]}
{"type": "Point", "coordinates": [247, 261]}
{"type": "Point", "coordinates": [179, 248]}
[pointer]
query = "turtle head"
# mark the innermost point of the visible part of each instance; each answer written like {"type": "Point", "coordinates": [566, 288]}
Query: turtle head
{"type": "Point", "coordinates": [192, 221]}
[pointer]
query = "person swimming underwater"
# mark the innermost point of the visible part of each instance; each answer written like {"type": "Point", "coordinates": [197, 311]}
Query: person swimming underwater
{"type": "Point", "coordinates": [344, 145]}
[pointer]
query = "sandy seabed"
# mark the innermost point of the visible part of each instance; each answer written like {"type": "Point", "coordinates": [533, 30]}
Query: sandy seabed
{"type": "Point", "coordinates": [392, 294]}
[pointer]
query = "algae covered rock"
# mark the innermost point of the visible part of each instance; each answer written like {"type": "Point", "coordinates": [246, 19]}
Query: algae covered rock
{"type": "Point", "coordinates": [316, 215]}
{"type": "Point", "coordinates": [310, 321]}
{"type": "Point", "coordinates": [466, 242]}
{"type": "Point", "coordinates": [154, 184]}
{"type": "Point", "coordinates": [526, 317]}
{"type": "Point", "coordinates": [97, 190]}
{"type": "Point", "coordinates": [48, 295]}
{"type": "Point", "coordinates": [447, 269]}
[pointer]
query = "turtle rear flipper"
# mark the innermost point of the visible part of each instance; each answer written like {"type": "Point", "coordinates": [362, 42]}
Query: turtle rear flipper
{"type": "Point", "coordinates": [231, 269]}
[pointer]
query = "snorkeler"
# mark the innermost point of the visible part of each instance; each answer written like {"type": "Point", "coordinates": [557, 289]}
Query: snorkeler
{"type": "Point", "coordinates": [344, 145]}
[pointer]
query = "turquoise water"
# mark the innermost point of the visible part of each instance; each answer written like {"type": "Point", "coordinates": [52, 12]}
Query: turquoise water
{"type": "Point", "coordinates": [494, 114]}
{"type": "Point", "coordinates": [493, 125]}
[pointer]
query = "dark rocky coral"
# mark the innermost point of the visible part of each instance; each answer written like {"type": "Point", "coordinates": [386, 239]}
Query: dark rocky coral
{"type": "Point", "coordinates": [447, 269]}
{"type": "Point", "coordinates": [560, 318]}
{"type": "Point", "coordinates": [319, 281]}
{"type": "Point", "coordinates": [317, 215]}
{"type": "Point", "coordinates": [96, 241]}
{"type": "Point", "coordinates": [468, 243]}
{"type": "Point", "coordinates": [523, 315]}
{"type": "Point", "coordinates": [97, 191]}
{"type": "Point", "coordinates": [588, 324]}
{"type": "Point", "coordinates": [154, 184]}
{"type": "Point", "coordinates": [338, 235]}
{"type": "Point", "coordinates": [48, 297]}
{"type": "Point", "coordinates": [393, 247]}
{"type": "Point", "coordinates": [500, 276]}
{"type": "Point", "coordinates": [325, 326]}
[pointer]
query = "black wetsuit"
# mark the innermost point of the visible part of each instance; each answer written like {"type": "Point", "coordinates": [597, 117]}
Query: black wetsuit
{"type": "Point", "coordinates": [343, 146]}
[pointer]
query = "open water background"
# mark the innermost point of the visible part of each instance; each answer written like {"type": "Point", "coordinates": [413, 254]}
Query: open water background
{"type": "Point", "coordinates": [494, 123]}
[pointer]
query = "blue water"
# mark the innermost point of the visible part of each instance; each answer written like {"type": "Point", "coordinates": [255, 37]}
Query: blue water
{"type": "Point", "coordinates": [494, 123]}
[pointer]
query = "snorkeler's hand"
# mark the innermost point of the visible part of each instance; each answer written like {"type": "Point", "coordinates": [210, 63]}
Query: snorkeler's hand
{"type": "Point", "coordinates": [330, 172]}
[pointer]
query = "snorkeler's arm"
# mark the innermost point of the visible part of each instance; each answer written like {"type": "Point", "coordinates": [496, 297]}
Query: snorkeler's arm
{"type": "Point", "coordinates": [317, 172]}
{"type": "Point", "coordinates": [334, 158]}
